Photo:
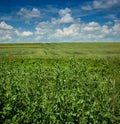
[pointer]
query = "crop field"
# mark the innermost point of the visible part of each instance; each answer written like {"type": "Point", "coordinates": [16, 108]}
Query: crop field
{"type": "Point", "coordinates": [63, 83]}
{"type": "Point", "coordinates": [55, 50]}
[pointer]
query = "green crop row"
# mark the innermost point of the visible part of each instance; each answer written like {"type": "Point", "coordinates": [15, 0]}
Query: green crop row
{"type": "Point", "coordinates": [59, 91]}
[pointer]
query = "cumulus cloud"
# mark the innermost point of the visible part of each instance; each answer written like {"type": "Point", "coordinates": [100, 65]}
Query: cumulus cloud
{"type": "Point", "coordinates": [9, 33]}
{"type": "Point", "coordinates": [62, 29]}
{"type": "Point", "coordinates": [76, 30]}
{"type": "Point", "coordinates": [26, 33]}
{"type": "Point", "coordinates": [5, 37]}
{"type": "Point", "coordinates": [116, 27]}
{"type": "Point", "coordinates": [50, 30]}
{"type": "Point", "coordinates": [29, 14]}
{"type": "Point", "coordinates": [81, 32]}
{"type": "Point", "coordinates": [5, 26]}
{"type": "Point", "coordinates": [43, 28]}
{"type": "Point", "coordinates": [65, 17]}
{"type": "Point", "coordinates": [6, 31]}
{"type": "Point", "coordinates": [23, 33]}
{"type": "Point", "coordinates": [105, 29]}
{"type": "Point", "coordinates": [63, 12]}
{"type": "Point", "coordinates": [92, 26]}
{"type": "Point", "coordinates": [72, 30]}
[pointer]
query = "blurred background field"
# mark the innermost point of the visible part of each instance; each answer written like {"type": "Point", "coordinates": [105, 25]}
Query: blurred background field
{"type": "Point", "coordinates": [61, 50]}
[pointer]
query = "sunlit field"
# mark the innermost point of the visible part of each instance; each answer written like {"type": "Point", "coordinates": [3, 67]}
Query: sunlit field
{"type": "Point", "coordinates": [61, 50]}
{"type": "Point", "coordinates": [57, 83]}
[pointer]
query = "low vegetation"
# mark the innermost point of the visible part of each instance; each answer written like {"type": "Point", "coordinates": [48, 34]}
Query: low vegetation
{"type": "Point", "coordinates": [67, 89]}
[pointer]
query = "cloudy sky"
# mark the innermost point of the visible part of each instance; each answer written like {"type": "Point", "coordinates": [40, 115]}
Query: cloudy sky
{"type": "Point", "coordinates": [59, 21]}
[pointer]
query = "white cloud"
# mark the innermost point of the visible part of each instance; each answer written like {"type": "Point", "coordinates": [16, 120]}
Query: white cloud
{"type": "Point", "coordinates": [5, 26]}
{"type": "Point", "coordinates": [105, 29]}
{"type": "Point", "coordinates": [109, 23]}
{"type": "Point", "coordinates": [43, 28]}
{"type": "Point", "coordinates": [116, 27]}
{"type": "Point", "coordinates": [65, 17]}
{"type": "Point", "coordinates": [38, 38]}
{"type": "Point", "coordinates": [92, 26]}
{"type": "Point", "coordinates": [5, 37]}
{"type": "Point", "coordinates": [80, 32]}
{"type": "Point", "coordinates": [75, 31]}
{"type": "Point", "coordinates": [6, 31]}
{"type": "Point", "coordinates": [63, 12]}
{"type": "Point", "coordinates": [70, 31]}
{"type": "Point", "coordinates": [64, 28]}
{"type": "Point", "coordinates": [26, 33]}
{"type": "Point", "coordinates": [29, 14]}
{"type": "Point", "coordinates": [23, 33]}
{"type": "Point", "coordinates": [101, 4]}
{"type": "Point", "coordinates": [88, 7]}
{"type": "Point", "coordinates": [104, 3]}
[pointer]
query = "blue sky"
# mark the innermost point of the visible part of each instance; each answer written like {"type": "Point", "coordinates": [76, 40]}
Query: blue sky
{"type": "Point", "coordinates": [59, 21]}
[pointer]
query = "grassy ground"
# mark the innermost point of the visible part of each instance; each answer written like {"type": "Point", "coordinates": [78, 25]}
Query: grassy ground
{"type": "Point", "coordinates": [61, 50]}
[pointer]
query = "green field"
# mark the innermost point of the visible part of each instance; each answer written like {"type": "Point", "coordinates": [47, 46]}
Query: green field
{"type": "Point", "coordinates": [61, 50]}
{"type": "Point", "coordinates": [60, 83]}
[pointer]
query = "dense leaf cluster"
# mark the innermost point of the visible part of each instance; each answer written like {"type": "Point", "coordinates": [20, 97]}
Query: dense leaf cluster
{"type": "Point", "coordinates": [59, 91]}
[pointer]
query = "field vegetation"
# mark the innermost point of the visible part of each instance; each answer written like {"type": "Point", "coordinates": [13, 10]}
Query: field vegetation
{"type": "Point", "coordinates": [47, 50]}
{"type": "Point", "coordinates": [64, 83]}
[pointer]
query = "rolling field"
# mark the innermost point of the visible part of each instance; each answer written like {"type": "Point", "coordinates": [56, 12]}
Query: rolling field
{"type": "Point", "coordinates": [64, 83]}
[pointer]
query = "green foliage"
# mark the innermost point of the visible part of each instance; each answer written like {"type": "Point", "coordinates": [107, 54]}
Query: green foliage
{"type": "Point", "coordinates": [59, 91]}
